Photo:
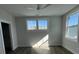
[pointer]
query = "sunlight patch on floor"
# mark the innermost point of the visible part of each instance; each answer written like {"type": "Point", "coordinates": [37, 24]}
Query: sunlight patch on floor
{"type": "Point", "coordinates": [43, 43]}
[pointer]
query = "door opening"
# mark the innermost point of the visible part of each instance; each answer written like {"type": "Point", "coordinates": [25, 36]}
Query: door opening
{"type": "Point", "coordinates": [6, 37]}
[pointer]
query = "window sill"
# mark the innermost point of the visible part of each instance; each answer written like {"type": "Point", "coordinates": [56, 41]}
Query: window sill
{"type": "Point", "coordinates": [37, 30]}
{"type": "Point", "coordinates": [75, 39]}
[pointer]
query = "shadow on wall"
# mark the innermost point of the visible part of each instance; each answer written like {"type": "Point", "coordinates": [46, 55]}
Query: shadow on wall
{"type": "Point", "coordinates": [43, 43]}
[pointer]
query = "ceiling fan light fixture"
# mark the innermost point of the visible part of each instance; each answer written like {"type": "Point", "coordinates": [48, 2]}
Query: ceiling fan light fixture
{"type": "Point", "coordinates": [41, 6]}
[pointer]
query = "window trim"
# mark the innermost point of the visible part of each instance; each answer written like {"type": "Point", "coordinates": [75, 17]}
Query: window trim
{"type": "Point", "coordinates": [67, 18]}
{"type": "Point", "coordinates": [37, 27]}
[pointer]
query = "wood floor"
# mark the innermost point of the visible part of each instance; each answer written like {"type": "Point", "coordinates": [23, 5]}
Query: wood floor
{"type": "Point", "coordinates": [51, 50]}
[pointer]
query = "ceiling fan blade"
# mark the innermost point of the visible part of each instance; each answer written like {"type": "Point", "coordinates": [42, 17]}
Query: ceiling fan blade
{"type": "Point", "coordinates": [38, 7]}
{"type": "Point", "coordinates": [47, 5]}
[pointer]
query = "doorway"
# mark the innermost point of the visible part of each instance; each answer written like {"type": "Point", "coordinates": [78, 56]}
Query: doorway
{"type": "Point", "coordinates": [6, 37]}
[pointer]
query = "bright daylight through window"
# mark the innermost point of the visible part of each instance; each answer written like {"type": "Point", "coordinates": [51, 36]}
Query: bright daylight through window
{"type": "Point", "coordinates": [40, 24]}
{"type": "Point", "coordinates": [31, 25]}
{"type": "Point", "coordinates": [72, 26]}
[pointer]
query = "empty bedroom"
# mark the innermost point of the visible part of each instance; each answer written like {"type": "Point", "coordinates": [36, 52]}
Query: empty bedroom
{"type": "Point", "coordinates": [39, 28]}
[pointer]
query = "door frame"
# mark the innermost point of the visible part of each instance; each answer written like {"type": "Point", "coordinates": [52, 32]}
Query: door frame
{"type": "Point", "coordinates": [8, 22]}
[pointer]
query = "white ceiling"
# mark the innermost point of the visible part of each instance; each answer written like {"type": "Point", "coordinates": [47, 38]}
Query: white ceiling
{"type": "Point", "coordinates": [30, 9]}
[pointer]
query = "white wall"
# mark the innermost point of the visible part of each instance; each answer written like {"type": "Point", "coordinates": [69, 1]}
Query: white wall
{"type": "Point", "coordinates": [55, 31]}
{"type": "Point", "coordinates": [29, 38]}
{"type": "Point", "coordinates": [6, 17]}
{"type": "Point", "coordinates": [69, 44]}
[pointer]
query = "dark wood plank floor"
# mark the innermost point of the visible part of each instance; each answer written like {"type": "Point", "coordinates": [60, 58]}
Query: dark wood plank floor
{"type": "Point", "coordinates": [51, 50]}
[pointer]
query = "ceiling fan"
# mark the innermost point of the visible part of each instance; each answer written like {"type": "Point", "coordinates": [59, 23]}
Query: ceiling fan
{"type": "Point", "coordinates": [39, 6]}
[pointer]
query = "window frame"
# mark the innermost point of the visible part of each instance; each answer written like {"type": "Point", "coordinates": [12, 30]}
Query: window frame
{"type": "Point", "coordinates": [37, 27]}
{"type": "Point", "coordinates": [47, 25]}
{"type": "Point", "coordinates": [27, 24]}
{"type": "Point", "coordinates": [66, 28]}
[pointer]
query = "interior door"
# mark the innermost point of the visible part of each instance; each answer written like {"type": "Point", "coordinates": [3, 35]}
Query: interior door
{"type": "Point", "coordinates": [6, 37]}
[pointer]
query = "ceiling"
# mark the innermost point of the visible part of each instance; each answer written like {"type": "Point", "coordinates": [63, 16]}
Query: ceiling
{"type": "Point", "coordinates": [30, 9]}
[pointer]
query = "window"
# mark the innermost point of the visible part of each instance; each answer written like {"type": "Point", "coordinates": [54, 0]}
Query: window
{"type": "Point", "coordinates": [31, 25]}
{"type": "Point", "coordinates": [42, 24]}
{"type": "Point", "coordinates": [39, 24]}
{"type": "Point", "coordinates": [72, 26]}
